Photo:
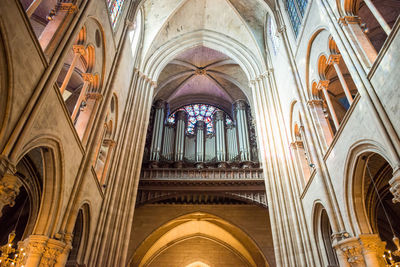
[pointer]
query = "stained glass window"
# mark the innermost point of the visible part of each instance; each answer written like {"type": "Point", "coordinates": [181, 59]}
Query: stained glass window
{"type": "Point", "coordinates": [114, 8]}
{"type": "Point", "coordinates": [296, 10]}
{"type": "Point", "coordinates": [198, 112]}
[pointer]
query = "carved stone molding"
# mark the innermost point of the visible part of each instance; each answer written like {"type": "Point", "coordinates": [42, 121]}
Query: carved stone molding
{"type": "Point", "coordinates": [9, 190]}
{"type": "Point", "coordinates": [350, 249]}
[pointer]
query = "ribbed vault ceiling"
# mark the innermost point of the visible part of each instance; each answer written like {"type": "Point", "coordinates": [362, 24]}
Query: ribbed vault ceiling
{"type": "Point", "coordinates": [202, 75]}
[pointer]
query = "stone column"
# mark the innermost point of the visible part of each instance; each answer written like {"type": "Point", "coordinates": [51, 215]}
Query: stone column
{"type": "Point", "coordinates": [242, 129]}
{"type": "Point", "coordinates": [363, 46]}
{"type": "Point", "coordinates": [219, 117]}
{"type": "Point", "coordinates": [334, 60]}
{"type": "Point", "coordinates": [180, 135]}
{"type": "Point", "coordinates": [158, 126]}
{"type": "Point", "coordinates": [78, 51]}
{"type": "Point", "coordinates": [395, 186]}
{"type": "Point", "coordinates": [88, 80]}
{"type": "Point", "coordinates": [200, 141]}
{"type": "Point", "coordinates": [323, 85]}
{"type": "Point", "coordinates": [299, 154]}
{"type": "Point", "coordinates": [9, 190]}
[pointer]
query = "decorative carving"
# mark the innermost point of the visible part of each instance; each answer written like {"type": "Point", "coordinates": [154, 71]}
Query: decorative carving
{"type": "Point", "coordinates": [371, 243]}
{"type": "Point", "coordinates": [180, 115]}
{"type": "Point", "coordinates": [9, 190]}
{"type": "Point", "coordinates": [219, 115]}
{"type": "Point", "coordinates": [200, 72]}
{"type": "Point", "coordinates": [323, 84]}
{"type": "Point", "coordinates": [79, 49]}
{"type": "Point", "coordinates": [350, 248]}
{"type": "Point", "coordinates": [334, 59]}
{"type": "Point", "coordinates": [345, 20]}
{"type": "Point", "coordinates": [239, 105]}
{"type": "Point", "coordinates": [88, 77]}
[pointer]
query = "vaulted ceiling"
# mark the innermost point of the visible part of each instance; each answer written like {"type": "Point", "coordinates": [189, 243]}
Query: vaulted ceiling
{"type": "Point", "coordinates": [202, 75]}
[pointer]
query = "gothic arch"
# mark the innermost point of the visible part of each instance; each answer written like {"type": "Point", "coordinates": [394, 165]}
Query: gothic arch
{"type": "Point", "coordinates": [198, 224]}
{"type": "Point", "coordinates": [80, 234]}
{"type": "Point", "coordinates": [353, 183]}
{"type": "Point", "coordinates": [322, 231]}
{"type": "Point", "coordinates": [53, 180]}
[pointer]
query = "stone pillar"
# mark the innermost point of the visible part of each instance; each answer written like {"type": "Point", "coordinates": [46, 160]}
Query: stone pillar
{"type": "Point", "coordinates": [334, 60]}
{"type": "Point", "coordinates": [9, 190]}
{"type": "Point", "coordinates": [242, 129]}
{"type": "Point", "coordinates": [363, 46]}
{"type": "Point", "coordinates": [168, 145]}
{"type": "Point", "coordinates": [158, 126]}
{"type": "Point", "coordinates": [323, 85]}
{"type": "Point", "coordinates": [200, 141]}
{"type": "Point", "coordinates": [301, 159]}
{"type": "Point", "coordinates": [180, 135]}
{"type": "Point", "coordinates": [219, 117]}
{"type": "Point", "coordinates": [78, 51]}
{"type": "Point", "coordinates": [372, 249]}
{"type": "Point", "coordinates": [395, 186]}
{"type": "Point", "coordinates": [88, 80]}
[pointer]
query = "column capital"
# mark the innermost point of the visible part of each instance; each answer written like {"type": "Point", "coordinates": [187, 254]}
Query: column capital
{"type": "Point", "coordinates": [66, 7]}
{"type": "Point", "coordinates": [371, 243]}
{"type": "Point", "coordinates": [315, 102]}
{"type": "Point", "coordinates": [9, 190]}
{"type": "Point", "coordinates": [345, 20]}
{"type": "Point", "coordinates": [109, 142]}
{"type": "Point", "coordinates": [95, 96]}
{"type": "Point", "coordinates": [79, 49]}
{"type": "Point", "coordinates": [296, 144]}
{"type": "Point", "coordinates": [395, 186]}
{"type": "Point", "coordinates": [334, 59]}
{"type": "Point", "coordinates": [88, 77]}
{"type": "Point", "coordinates": [323, 84]}
{"type": "Point", "coordinates": [350, 248]}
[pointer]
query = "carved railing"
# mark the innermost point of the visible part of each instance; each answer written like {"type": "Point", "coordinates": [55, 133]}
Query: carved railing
{"type": "Point", "coordinates": [202, 174]}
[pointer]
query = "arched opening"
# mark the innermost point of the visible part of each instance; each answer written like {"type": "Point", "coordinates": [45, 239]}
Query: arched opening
{"type": "Point", "coordinates": [376, 213]}
{"type": "Point", "coordinates": [377, 19]}
{"type": "Point", "coordinates": [198, 239]}
{"type": "Point", "coordinates": [79, 238]}
{"type": "Point", "coordinates": [25, 189]}
{"type": "Point", "coordinates": [323, 234]}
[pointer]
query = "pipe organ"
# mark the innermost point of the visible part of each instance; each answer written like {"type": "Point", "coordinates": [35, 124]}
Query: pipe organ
{"type": "Point", "coordinates": [201, 134]}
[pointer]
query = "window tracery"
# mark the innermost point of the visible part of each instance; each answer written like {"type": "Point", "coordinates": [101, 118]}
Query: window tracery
{"type": "Point", "coordinates": [296, 10]}
{"type": "Point", "coordinates": [196, 113]}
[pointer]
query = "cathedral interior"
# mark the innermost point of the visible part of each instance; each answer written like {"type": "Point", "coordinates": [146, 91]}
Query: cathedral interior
{"type": "Point", "coordinates": [200, 133]}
